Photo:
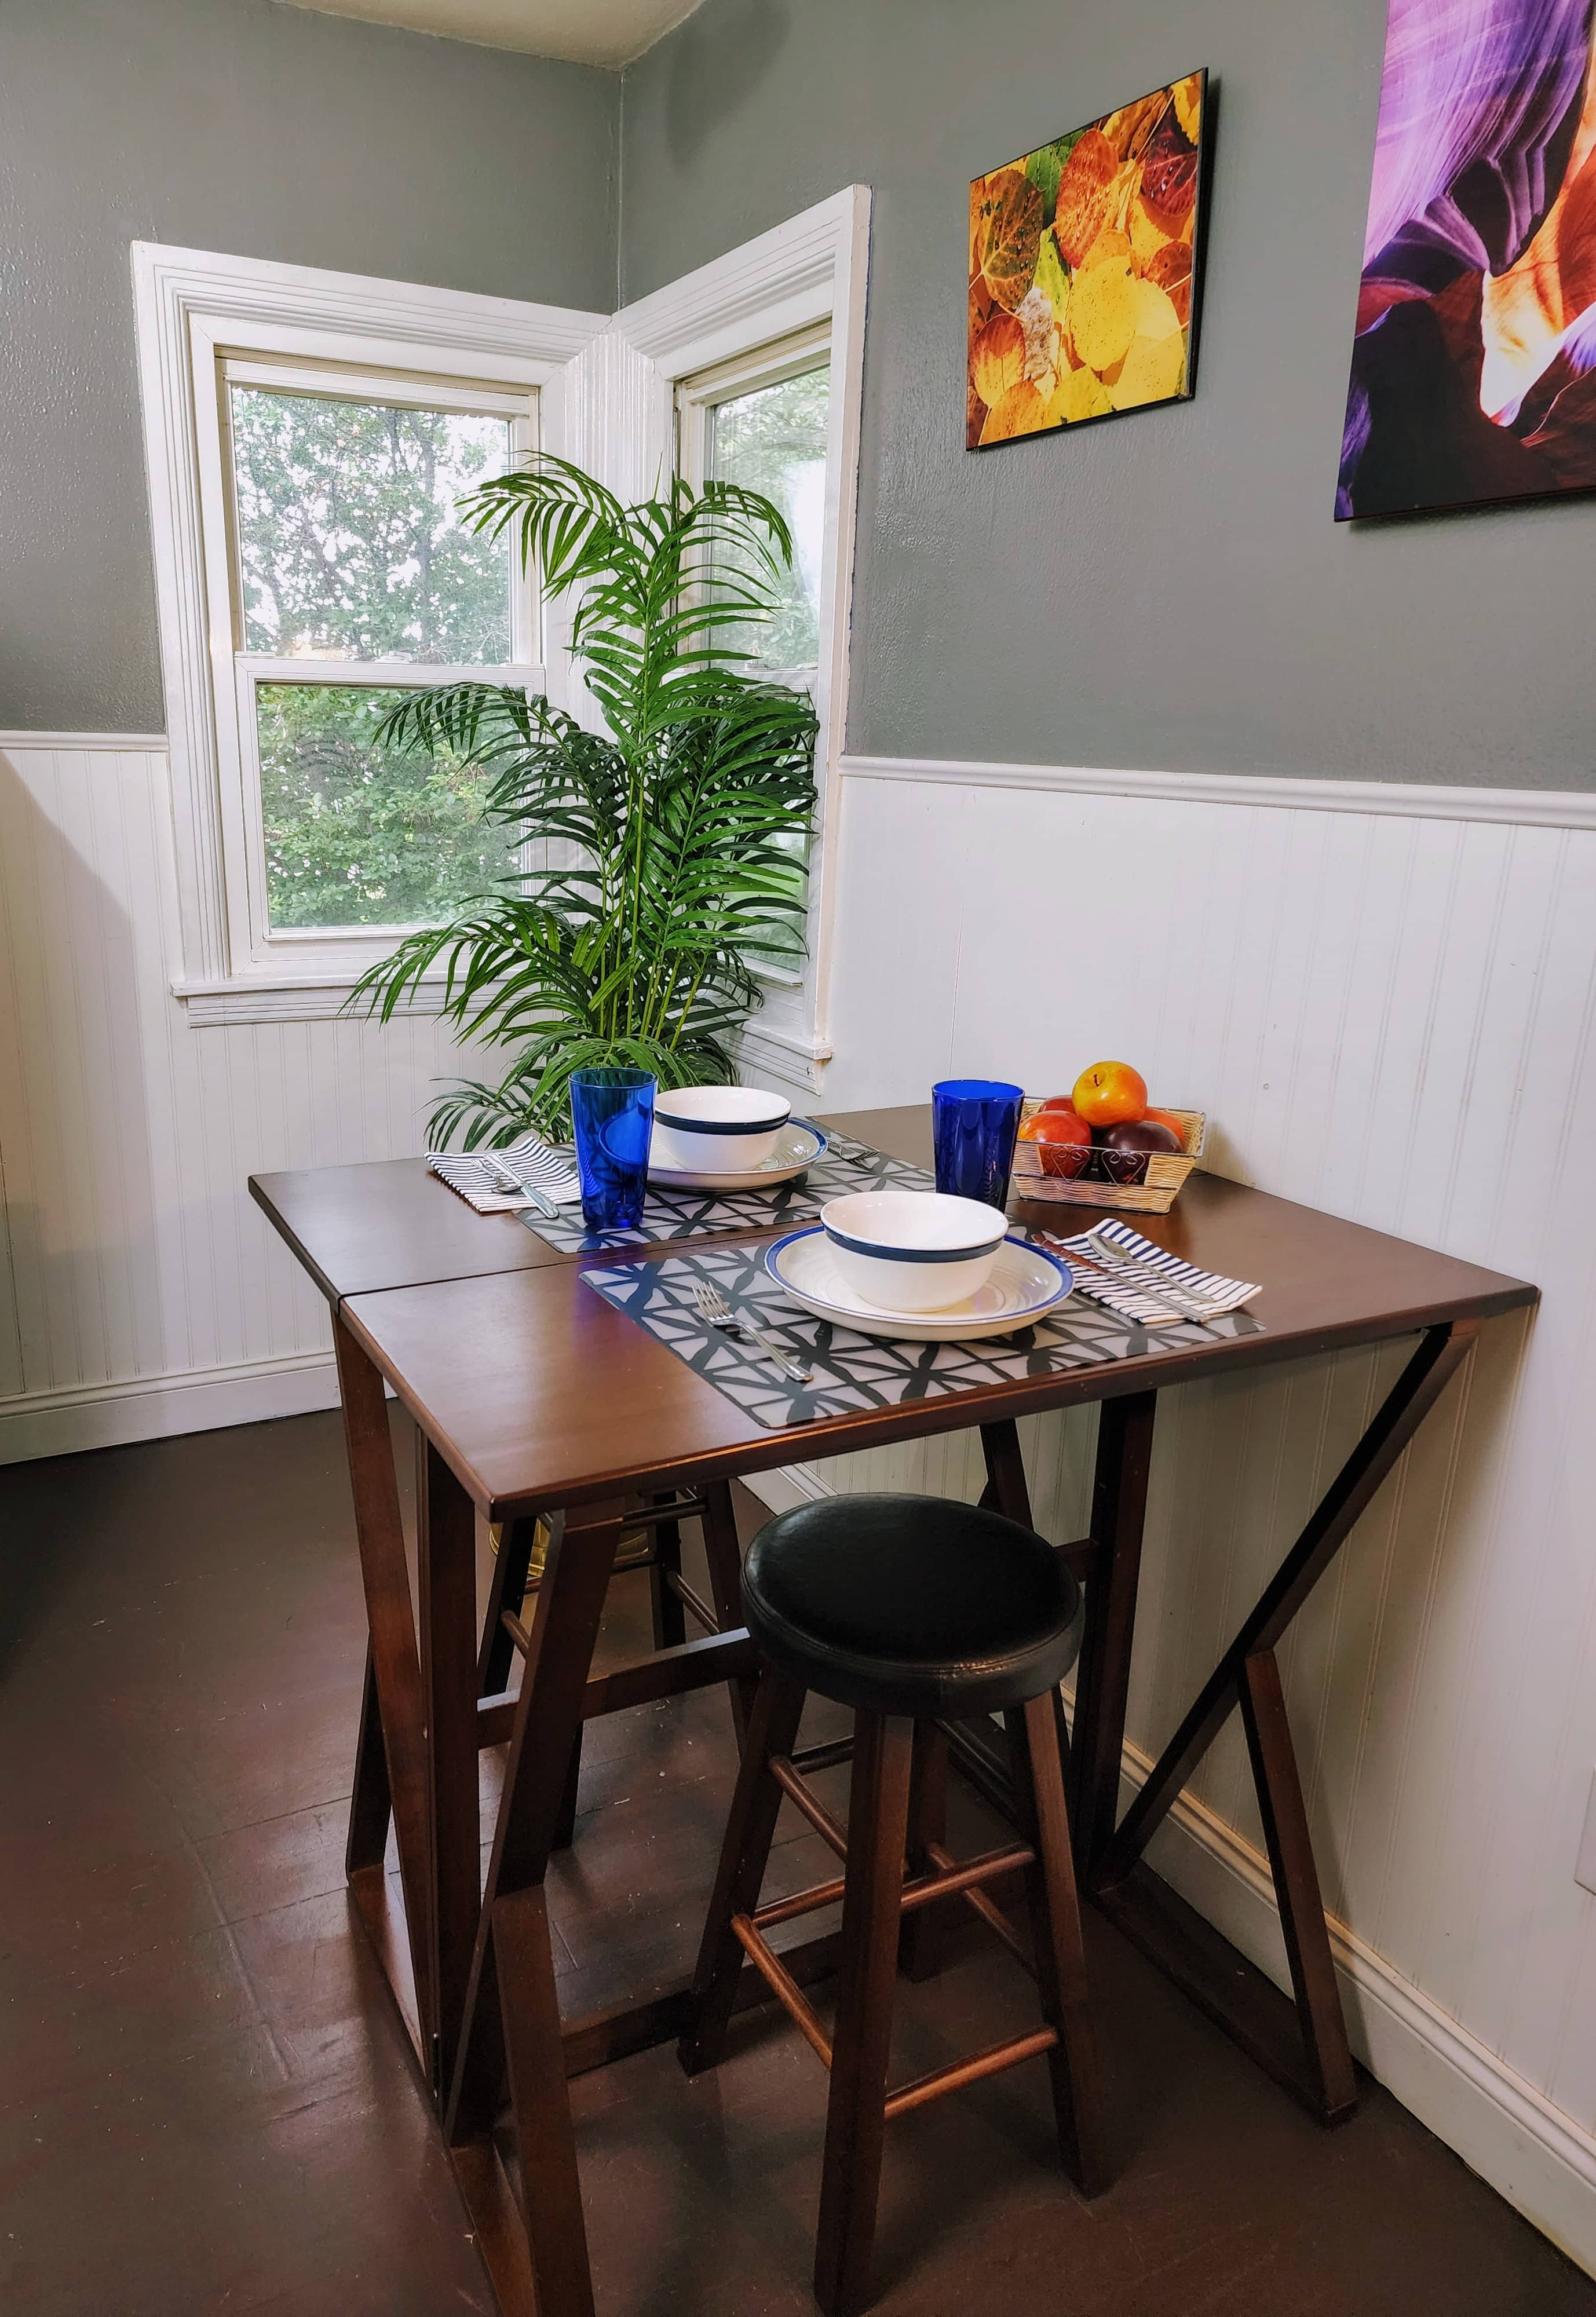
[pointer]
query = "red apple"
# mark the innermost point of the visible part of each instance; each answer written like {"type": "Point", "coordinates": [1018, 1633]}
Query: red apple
{"type": "Point", "coordinates": [1141, 1134]}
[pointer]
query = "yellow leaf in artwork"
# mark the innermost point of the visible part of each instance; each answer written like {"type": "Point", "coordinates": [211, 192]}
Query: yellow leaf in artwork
{"type": "Point", "coordinates": [1110, 243]}
{"type": "Point", "coordinates": [1103, 312]}
{"type": "Point", "coordinates": [1154, 310]}
{"type": "Point", "coordinates": [1153, 371]}
{"type": "Point", "coordinates": [1147, 239]}
{"type": "Point", "coordinates": [1021, 411]}
{"type": "Point", "coordinates": [998, 358]}
{"type": "Point", "coordinates": [1080, 394]}
{"type": "Point", "coordinates": [1188, 95]}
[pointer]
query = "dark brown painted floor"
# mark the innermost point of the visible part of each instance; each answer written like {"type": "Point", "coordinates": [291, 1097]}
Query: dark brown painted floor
{"type": "Point", "coordinates": [206, 2105]}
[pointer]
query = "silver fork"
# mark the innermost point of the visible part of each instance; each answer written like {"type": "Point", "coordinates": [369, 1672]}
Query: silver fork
{"type": "Point", "coordinates": [714, 1307]}
{"type": "Point", "coordinates": [851, 1153]}
{"type": "Point", "coordinates": [1146, 1277]}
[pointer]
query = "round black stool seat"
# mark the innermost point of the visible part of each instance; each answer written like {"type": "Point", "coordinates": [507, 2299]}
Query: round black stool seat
{"type": "Point", "coordinates": [904, 1605]}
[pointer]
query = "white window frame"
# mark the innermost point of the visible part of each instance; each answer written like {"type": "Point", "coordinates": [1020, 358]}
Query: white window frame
{"type": "Point", "coordinates": [812, 271]}
{"type": "Point", "coordinates": [197, 313]}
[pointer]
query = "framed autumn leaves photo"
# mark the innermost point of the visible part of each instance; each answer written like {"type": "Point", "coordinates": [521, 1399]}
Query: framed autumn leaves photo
{"type": "Point", "coordinates": [1086, 269]}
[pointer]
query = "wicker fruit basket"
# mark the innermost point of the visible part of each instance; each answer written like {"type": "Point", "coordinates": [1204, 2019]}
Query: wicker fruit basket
{"type": "Point", "coordinates": [1138, 1183]}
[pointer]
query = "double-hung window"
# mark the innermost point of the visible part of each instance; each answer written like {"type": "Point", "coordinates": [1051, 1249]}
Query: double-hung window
{"type": "Point", "coordinates": [347, 578]}
{"type": "Point", "coordinates": [310, 437]}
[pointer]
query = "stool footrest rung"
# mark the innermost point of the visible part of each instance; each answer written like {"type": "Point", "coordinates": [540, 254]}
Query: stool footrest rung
{"type": "Point", "coordinates": [782, 1985]}
{"type": "Point", "coordinates": [656, 1515]}
{"type": "Point", "coordinates": [991, 1913]}
{"type": "Point", "coordinates": [801, 1902]}
{"type": "Point", "coordinates": [829, 1756]}
{"type": "Point", "coordinates": [955, 1880]}
{"type": "Point", "coordinates": [830, 1828]}
{"type": "Point", "coordinates": [693, 1603]}
{"type": "Point", "coordinates": [960, 2072]}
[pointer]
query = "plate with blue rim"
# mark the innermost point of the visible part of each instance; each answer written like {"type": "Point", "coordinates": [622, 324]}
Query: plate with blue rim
{"type": "Point", "coordinates": [1025, 1285]}
{"type": "Point", "coordinates": [797, 1146]}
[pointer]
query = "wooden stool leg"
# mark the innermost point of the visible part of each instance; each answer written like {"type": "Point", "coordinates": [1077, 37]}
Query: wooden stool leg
{"type": "Point", "coordinates": [773, 1726]}
{"type": "Point", "coordinates": [670, 1624]}
{"type": "Point", "coordinates": [856, 2117]}
{"type": "Point", "coordinates": [922, 1940]}
{"type": "Point", "coordinates": [724, 1556]}
{"type": "Point", "coordinates": [1055, 1932]}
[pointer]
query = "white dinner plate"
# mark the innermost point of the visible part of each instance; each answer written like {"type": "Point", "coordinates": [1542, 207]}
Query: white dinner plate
{"type": "Point", "coordinates": [797, 1146]}
{"type": "Point", "coordinates": [1024, 1285]}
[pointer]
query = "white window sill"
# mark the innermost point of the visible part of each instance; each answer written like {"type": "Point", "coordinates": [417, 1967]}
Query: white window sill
{"type": "Point", "coordinates": [241, 998]}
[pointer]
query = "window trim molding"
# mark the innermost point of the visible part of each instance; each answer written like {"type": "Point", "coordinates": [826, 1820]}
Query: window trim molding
{"type": "Point", "coordinates": [814, 268]}
{"type": "Point", "coordinates": [184, 298]}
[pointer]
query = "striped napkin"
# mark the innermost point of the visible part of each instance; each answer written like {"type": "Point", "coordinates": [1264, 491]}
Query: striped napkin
{"type": "Point", "coordinates": [1127, 1274]}
{"type": "Point", "coordinates": [481, 1185]}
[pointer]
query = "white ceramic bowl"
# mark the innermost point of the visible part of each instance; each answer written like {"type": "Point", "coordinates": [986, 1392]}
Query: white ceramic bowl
{"type": "Point", "coordinates": [716, 1129]}
{"type": "Point", "coordinates": [914, 1250]}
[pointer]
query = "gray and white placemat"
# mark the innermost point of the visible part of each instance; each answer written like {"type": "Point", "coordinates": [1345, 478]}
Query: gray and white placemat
{"type": "Point", "coordinates": [852, 1372]}
{"type": "Point", "coordinates": [697, 1214]}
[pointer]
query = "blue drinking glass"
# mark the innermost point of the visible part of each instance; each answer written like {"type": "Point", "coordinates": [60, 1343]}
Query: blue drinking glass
{"type": "Point", "coordinates": [973, 1124]}
{"type": "Point", "coordinates": [613, 1111]}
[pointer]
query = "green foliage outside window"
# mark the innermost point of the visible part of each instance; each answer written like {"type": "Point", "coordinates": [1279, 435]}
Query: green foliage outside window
{"type": "Point", "coordinates": [357, 835]}
{"type": "Point", "coordinates": [350, 547]}
{"type": "Point", "coordinates": [773, 441]}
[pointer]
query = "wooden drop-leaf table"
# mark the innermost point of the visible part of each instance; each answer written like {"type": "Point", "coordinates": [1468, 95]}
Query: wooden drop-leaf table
{"type": "Point", "coordinates": [532, 1396]}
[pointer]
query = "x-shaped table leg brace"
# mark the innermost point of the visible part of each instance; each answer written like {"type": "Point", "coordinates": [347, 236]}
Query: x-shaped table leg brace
{"type": "Point", "coordinates": [1248, 1677]}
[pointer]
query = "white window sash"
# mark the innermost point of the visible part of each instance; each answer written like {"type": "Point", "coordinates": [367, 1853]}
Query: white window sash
{"type": "Point", "coordinates": [802, 285]}
{"type": "Point", "coordinates": [204, 321]}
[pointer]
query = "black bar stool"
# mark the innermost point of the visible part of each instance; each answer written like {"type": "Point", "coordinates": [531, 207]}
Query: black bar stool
{"type": "Point", "coordinates": [907, 1609]}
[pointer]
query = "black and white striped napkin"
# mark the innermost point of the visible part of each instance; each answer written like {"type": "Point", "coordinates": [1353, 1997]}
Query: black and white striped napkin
{"type": "Point", "coordinates": [478, 1178]}
{"type": "Point", "coordinates": [1117, 1267]}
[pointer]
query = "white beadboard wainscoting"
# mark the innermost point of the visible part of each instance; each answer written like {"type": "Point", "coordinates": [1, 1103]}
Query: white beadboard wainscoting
{"type": "Point", "coordinates": [1383, 999]}
{"type": "Point", "coordinates": [141, 1291]}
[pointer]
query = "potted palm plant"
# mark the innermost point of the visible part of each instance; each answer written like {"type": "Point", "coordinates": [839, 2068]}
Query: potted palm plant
{"type": "Point", "coordinates": [672, 839]}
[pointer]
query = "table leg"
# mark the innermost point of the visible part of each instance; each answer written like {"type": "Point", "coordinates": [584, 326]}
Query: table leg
{"type": "Point", "coordinates": [724, 1554]}
{"type": "Point", "coordinates": [370, 1805]}
{"type": "Point", "coordinates": [1006, 1490]}
{"type": "Point", "coordinates": [1247, 1678]}
{"type": "Point", "coordinates": [670, 1623]}
{"type": "Point", "coordinates": [393, 1720]}
{"type": "Point", "coordinates": [511, 1569]}
{"type": "Point", "coordinates": [511, 2016]}
{"type": "Point", "coordinates": [446, 1563]}
{"type": "Point", "coordinates": [1103, 1671]}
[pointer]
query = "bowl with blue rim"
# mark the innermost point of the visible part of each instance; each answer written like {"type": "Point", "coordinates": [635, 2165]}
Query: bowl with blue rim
{"type": "Point", "coordinates": [716, 1129]}
{"type": "Point", "coordinates": [914, 1250]}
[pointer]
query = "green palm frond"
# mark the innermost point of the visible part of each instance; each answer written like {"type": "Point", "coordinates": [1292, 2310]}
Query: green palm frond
{"type": "Point", "coordinates": [671, 844]}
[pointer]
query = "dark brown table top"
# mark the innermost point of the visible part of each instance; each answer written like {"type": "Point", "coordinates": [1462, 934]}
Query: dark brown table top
{"type": "Point", "coordinates": [389, 1223]}
{"type": "Point", "coordinates": [537, 1392]}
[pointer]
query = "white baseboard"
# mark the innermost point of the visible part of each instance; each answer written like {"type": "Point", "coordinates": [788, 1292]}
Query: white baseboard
{"type": "Point", "coordinates": [1530, 2152]}
{"type": "Point", "coordinates": [156, 1408]}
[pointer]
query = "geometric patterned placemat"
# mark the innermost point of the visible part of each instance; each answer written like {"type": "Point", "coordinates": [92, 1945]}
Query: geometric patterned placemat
{"type": "Point", "coordinates": [852, 1371]}
{"type": "Point", "coordinates": [693, 1214]}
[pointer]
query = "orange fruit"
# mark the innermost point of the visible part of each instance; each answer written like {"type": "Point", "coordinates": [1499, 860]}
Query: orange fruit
{"type": "Point", "coordinates": [1168, 1118]}
{"type": "Point", "coordinates": [1110, 1092]}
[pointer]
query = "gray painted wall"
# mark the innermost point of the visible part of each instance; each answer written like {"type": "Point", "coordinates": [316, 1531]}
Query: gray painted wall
{"type": "Point", "coordinates": [1167, 590]}
{"type": "Point", "coordinates": [266, 131]}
